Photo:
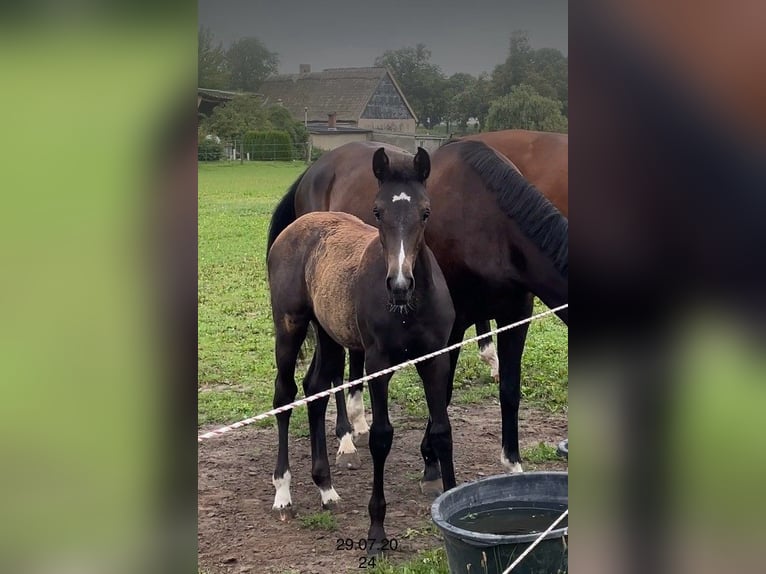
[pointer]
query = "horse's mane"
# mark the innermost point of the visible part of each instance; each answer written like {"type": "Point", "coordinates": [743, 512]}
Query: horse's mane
{"type": "Point", "coordinates": [538, 218]}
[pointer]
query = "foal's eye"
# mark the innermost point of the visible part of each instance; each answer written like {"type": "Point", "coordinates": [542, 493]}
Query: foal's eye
{"type": "Point", "coordinates": [376, 213]}
{"type": "Point", "coordinates": [426, 213]}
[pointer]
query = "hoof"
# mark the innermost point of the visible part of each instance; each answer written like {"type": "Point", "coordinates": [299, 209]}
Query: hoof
{"type": "Point", "coordinates": [331, 505]}
{"type": "Point", "coordinates": [285, 514]}
{"type": "Point", "coordinates": [431, 488]}
{"type": "Point", "coordinates": [360, 433]}
{"type": "Point", "coordinates": [348, 460]}
{"type": "Point", "coordinates": [377, 548]}
{"type": "Point", "coordinates": [496, 378]}
{"type": "Point", "coordinates": [330, 499]}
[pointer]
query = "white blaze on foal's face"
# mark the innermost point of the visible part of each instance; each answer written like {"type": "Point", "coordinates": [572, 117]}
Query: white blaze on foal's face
{"type": "Point", "coordinates": [400, 275]}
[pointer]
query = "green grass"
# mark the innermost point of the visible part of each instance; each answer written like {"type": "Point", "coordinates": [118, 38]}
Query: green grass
{"type": "Point", "coordinates": [324, 520]}
{"type": "Point", "coordinates": [427, 562]}
{"type": "Point", "coordinates": [540, 453]}
{"type": "Point", "coordinates": [236, 342]}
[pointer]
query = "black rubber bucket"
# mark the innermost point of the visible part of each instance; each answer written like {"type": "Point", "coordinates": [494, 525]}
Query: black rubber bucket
{"type": "Point", "coordinates": [477, 552]}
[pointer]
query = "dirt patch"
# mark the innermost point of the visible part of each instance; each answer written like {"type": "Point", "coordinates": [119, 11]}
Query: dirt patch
{"type": "Point", "coordinates": [238, 533]}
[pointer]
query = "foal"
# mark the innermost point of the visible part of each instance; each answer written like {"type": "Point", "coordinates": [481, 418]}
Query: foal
{"type": "Point", "coordinates": [374, 291]}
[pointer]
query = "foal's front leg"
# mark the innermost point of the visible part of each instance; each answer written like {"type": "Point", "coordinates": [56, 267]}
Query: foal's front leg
{"type": "Point", "coordinates": [381, 438]}
{"type": "Point", "coordinates": [437, 385]}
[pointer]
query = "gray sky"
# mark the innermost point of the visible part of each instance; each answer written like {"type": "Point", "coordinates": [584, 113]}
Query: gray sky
{"type": "Point", "coordinates": [463, 36]}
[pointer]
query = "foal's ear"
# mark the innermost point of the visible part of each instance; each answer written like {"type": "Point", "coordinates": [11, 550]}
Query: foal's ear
{"type": "Point", "coordinates": [422, 163]}
{"type": "Point", "coordinates": [380, 164]}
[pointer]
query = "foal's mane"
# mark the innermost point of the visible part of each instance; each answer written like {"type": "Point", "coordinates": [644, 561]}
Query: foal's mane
{"type": "Point", "coordinates": [521, 201]}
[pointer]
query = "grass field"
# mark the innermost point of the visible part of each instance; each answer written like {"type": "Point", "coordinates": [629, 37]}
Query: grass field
{"type": "Point", "coordinates": [236, 343]}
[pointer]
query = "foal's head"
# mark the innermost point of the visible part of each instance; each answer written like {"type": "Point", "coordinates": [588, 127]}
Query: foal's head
{"type": "Point", "coordinates": [401, 210]}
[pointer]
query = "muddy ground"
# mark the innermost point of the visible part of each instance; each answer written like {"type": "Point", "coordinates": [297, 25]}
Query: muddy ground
{"type": "Point", "coordinates": [238, 533]}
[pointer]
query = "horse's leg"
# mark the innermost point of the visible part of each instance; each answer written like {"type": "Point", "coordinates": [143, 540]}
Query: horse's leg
{"type": "Point", "coordinates": [487, 352]}
{"type": "Point", "coordinates": [347, 456]}
{"type": "Point", "coordinates": [431, 485]}
{"type": "Point", "coordinates": [510, 345]}
{"type": "Point", "coordinates": [435, 376]}
{"type": "Point", "coordinates": [381, 437]}
{"type": "Point", "coordinates": [329, 357]}
{"type": "Point", "coordinates": [288, 344]}
{"type": "Point", "coordinates": [355, 402]}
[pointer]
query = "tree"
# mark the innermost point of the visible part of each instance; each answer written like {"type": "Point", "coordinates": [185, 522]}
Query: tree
{"type": "Point", "coordinates": [249, 64]}
{"type": "Point", "coordinates": [524, 108]}
{"type": "Point", "coordinates": [280, 119]}
{"type": "Point", "coordinates": [421, 81]}
{"type": "Point", "coordinates": [212, 71]}
{"type": "Point", "coordinates": [247, 113]}
{"type": "Point", "coordinates": [545, 69]}
{"type": "Point", "coordinates": [242, 114]}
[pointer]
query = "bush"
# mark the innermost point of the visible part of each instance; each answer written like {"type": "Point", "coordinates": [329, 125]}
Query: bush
{"type": "Point", "coordinates": [269, 145]}
{"type": "Point", "coordinates": [209, 150]}
{"type": "Point", "coordinates": [316, 153]}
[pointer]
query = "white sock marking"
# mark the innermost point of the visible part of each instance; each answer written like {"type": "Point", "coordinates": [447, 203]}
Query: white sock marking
{"type": "Point", "coordinates": [356, 413]}
{"type": "Point", "coordinates": [488, 354]}
{"type": "Point", "coordinates": [329, 495]}
{"type": "Point", "coordinates": [401, 196]}
{"type": "Point", "coordinates": [512, 468]}
{"type": "Point", "coordinates": [347, 445]}
{"type": "Point", "coordinates": [282, 497]}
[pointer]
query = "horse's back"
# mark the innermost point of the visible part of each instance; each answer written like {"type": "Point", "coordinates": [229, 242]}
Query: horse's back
{"type": "Point", "coordinates": [313, 265]}
{"type": "Point", "coordinates": [542, 158]}
{"type": "Point", "coordinates": [342, 180]}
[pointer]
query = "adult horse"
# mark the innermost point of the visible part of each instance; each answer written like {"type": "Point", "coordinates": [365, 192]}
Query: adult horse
{"type": "Point", "coordinates": [496, 239]}
{"type": "Point", "coordinates": [543, 159]}
{"type": "Point", "coordinates": [379, 292]}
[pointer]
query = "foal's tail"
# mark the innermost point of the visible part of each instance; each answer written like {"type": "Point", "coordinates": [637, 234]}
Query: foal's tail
{"type": "Point", "coordinates": [284, 214]}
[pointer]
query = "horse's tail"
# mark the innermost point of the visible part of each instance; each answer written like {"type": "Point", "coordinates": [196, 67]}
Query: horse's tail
{"type": "Point", "coordinates": [284, 214]}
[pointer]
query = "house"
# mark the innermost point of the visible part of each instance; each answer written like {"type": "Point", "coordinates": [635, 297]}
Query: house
{"type": "Point", "coordinates": [339, 105]}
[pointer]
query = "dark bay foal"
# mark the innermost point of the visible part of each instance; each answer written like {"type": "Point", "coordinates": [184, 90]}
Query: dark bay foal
{"type": "Point", "coordinates": [379, 292]}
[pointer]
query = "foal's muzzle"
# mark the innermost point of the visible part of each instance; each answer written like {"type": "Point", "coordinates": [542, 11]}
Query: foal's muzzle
{"type": "Point", "coordinates": [400, 289]}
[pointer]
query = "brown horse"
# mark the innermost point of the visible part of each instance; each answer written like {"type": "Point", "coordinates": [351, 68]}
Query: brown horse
{"type": "Point", "coordinates": [378, 292]}
{"type": "Point", "coordinates": [496, 239]}
{"type": "Point", "coordinates": [543, 159]}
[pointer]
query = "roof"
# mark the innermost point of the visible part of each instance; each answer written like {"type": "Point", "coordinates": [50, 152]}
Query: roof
{"type": "Point", "coordinates": [340, 129]}
{"type": "Point", "coordinates": [215, 95]}
{"type": "Point", "coordinates": [343, 91]}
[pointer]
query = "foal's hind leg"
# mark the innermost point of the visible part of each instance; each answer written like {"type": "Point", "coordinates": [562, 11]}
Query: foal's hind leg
{"type": "Point", "coordinates": [329, 357]}
{"type": "Point", "coordinates": [510, 345]}
{"type": "Point", "coordinates": [487, 352]}
{"type": "Point", "coordinates": [347, 456]}
{"type": "Point", "coordinates": [288, 343]}
{"type": "Point", "coordinates": [355, 402]}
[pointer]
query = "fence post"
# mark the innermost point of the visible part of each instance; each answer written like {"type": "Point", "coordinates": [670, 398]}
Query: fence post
{"type": "Point", "coordinates": [309, 149]}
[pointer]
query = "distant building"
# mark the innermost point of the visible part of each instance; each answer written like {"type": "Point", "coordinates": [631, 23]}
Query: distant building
{"type": "Point", "coordinates": [208, 100]}
{"type": "Point", "coordinates": [340, 105]}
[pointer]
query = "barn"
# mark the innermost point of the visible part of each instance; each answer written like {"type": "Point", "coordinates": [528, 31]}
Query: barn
{"type": "Point", "coordinates": [340, 105]}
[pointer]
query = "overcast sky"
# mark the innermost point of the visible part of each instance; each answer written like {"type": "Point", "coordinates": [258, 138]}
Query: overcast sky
{"type": "Point", "coordinates": [463, 36]}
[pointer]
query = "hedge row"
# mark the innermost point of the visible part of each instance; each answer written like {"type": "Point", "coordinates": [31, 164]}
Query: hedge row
{"type": "Point", "coordinates": [270, 145]}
